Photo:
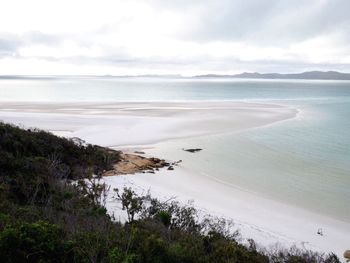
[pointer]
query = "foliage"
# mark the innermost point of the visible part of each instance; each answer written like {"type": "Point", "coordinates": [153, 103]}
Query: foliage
{"type": "Point", "coordinates": [130, 202]}
{"type": "Point", "coordinates": [22, 150]}
{"type": "Point", "coordinates": [33, 242]}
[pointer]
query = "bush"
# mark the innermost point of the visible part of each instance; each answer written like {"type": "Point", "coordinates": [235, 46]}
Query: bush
{"type": "Point", "coordinates": [33, 242]}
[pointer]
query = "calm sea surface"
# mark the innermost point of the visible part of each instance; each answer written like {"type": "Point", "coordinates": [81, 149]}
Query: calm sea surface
{"type": "Point", "coordinates": [304, 161]}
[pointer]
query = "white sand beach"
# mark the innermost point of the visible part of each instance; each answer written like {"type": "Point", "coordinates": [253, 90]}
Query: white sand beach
{"type": "Point", "coordinates": [270, 223]}
{"type": "Point", "coordinates": [130, 126]}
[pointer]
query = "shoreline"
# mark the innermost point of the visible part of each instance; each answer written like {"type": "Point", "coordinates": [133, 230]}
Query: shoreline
{"type": "Point", "coordinates": [124, 125]}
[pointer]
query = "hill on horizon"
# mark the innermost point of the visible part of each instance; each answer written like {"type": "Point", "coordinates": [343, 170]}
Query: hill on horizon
{"type": "Point", "coordinates": [316, 75]}
{"type": "Point", "coordinates": [311, 75]}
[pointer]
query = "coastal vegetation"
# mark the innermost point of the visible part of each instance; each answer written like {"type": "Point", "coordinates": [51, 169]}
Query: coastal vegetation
{"type": "Point", "coordinates": [52, 210]}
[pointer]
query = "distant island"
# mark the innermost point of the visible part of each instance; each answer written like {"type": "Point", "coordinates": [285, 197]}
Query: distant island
{"type": "Point", "coordinates": [311, 75]}
{"type": "Point", "coordinates": [315, 75]}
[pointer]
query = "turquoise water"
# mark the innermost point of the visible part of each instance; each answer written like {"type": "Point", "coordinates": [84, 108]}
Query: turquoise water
{"type": "Point", "coordinates": [149, 89]}
{"type": "Point", "coordinates": [304, 161]}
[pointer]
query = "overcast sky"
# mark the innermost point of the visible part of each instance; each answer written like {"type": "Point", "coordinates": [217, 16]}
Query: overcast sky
{"type": "Point", "coordinates": [173, 36]}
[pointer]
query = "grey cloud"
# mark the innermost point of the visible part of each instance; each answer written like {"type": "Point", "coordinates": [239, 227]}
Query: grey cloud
{"type": "Point", "coordinates": [273, 23]}
{"type": "Point", "coordinates": [270, 22]}
{"type": "Point", "coordinates": [36, 37]}
{"type": "Point", "coordinates": [10, 43]}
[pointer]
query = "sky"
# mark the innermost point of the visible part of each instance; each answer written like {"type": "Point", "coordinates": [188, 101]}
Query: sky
{"type": "Point", "coordinates": [187, 37]}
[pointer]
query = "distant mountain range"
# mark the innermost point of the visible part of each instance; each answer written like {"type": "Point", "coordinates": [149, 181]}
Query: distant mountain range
{"type": "Point", "coordinates": [317, 75]}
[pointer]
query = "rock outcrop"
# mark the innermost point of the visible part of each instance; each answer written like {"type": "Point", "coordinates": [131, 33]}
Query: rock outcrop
{"type": "Point", "coordinates": [132, 163]}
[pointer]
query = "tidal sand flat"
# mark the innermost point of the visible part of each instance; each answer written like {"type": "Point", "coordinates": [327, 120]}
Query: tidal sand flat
{"type": "Point", "coordinates": [117, 124]}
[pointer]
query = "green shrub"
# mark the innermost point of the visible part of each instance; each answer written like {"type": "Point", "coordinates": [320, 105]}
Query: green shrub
{"type": "Point", "coordinates": [164, 217]}
{"type": "Point", "coordinates": [33, 242]}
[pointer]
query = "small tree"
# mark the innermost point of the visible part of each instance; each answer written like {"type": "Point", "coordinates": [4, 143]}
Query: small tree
{"type": "Point", "coordinates": [92, 188]}
{"type": "Point", "coordinates": [131, 202]}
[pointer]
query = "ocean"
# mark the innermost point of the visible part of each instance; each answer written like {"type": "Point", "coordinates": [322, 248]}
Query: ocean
{"type": "Point", "coordinates": [304, 161]}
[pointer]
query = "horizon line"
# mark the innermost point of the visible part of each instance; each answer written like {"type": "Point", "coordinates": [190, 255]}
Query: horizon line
{"type": "Point", "coordinates": [170, 75]}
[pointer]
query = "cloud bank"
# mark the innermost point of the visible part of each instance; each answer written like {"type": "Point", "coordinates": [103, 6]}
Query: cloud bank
{"type": "Point", "coordinates": [173, 37]}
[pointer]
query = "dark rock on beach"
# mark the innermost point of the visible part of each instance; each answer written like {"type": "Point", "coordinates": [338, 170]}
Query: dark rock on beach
{"type": "Point", "coordinates": [192, 150]}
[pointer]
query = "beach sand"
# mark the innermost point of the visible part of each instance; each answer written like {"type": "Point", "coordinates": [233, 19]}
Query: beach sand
{"type": "Point", "coordinates": [129, 125]}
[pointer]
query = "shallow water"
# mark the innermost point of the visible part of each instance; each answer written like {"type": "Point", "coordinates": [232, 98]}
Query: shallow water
{"type": "Point", "coordinates": [304, 161]}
